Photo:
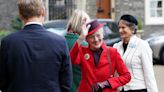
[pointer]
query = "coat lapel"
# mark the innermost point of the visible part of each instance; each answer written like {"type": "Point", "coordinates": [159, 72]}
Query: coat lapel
{"type": "Point", "coordinates": [103, 55]}
{"type": "Point", "coordinates": [131, 48]}
{"type": "Point", "coordinates": [120, 48]}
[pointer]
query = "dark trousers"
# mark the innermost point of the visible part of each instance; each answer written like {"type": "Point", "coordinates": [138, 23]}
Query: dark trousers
{"type": "Point", "coordinates": [140, 90]}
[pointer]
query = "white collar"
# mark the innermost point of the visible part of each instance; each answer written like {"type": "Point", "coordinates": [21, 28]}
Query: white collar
{"type": "Point", "coordinates": [28, 23]}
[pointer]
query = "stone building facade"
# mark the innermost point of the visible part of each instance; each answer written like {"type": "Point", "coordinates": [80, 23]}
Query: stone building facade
{"type": "Point", "coordinates": [8, 10]}
{"type": "Point", "coordinates": [133, 7]}
{"type": "Point", "coordinates": [91, 8]}
{"type": "Point", "coordinates": [136, 8]}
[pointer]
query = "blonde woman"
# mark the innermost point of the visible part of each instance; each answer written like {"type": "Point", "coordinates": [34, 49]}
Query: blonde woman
{"type": "Point", "coordinates": [78, 18]}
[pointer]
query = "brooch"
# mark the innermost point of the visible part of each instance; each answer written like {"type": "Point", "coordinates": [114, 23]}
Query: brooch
{"type": "Point", "coordinates": [131, 45]}
{"type": "Point", "coordinates": [86, 56]}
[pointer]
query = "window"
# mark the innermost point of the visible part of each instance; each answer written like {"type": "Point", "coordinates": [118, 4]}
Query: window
{"type": "Point", "coordinates": [60, 2]}
{"type": "Point", "coordinates": [60, 9]}
{"type": "Point", "coordinates": [154, 12]}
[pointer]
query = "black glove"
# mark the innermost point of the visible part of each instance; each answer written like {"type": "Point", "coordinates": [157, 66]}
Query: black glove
{"type": "Point", "coordinates": [96, 88]}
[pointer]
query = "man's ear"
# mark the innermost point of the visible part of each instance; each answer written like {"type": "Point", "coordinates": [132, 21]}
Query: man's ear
{"type": "Point", "coordinates": [22, 18]}
{"type": "Point", "coordinates": [42, 11]}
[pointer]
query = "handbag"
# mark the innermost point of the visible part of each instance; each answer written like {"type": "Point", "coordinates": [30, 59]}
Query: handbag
{"type": "Point", "coordinates": [110, 63]}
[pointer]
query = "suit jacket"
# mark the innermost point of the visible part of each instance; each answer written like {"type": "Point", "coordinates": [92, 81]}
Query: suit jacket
{"type": "Point", "coordinates": [103, 71]}
{"type": "Point", "coordinates": [138, 58]}
{"type": "Point", "coordinates": [34, 60]}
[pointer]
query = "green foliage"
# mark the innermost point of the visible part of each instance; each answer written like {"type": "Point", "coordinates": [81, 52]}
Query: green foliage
{"type": "Point", "coordinates": [140, 24]}
{"type": "Point", "coordinates": [4, 33]}
{"type": "Point", "coordinates": [16, 24]}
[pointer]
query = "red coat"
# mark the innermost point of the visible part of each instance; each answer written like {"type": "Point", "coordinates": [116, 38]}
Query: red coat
{"type": "Point", "coordinates": [92, 74]}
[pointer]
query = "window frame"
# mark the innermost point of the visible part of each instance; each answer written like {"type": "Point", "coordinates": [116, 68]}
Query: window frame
{"type": "Point", "coordinates": [153, 20]}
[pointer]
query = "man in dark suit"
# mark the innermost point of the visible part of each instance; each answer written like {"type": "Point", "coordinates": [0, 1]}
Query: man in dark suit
{"type": "Point", "coordinates": [33, 59]}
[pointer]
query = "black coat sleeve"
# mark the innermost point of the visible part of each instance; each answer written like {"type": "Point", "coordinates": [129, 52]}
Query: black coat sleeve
{"type": "Point", "coordinates": [3, 70]}
{"type": "Point", "coordinates": [65, 76]}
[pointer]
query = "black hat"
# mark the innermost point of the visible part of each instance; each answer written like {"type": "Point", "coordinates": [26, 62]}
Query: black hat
{"type": "Point", "coordinates": [94, 26]}
{"type": "Point", "coordinates": [129, 18]}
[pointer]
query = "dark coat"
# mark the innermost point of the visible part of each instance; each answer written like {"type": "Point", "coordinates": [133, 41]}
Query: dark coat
{"type": "Point", "coordinates": [34, 60]}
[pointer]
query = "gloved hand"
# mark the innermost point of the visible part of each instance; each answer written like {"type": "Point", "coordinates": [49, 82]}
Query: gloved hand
{"type": "Point", "coordinates": [96, 88]}
{"type": "Point", "coordinates": [84, 31]}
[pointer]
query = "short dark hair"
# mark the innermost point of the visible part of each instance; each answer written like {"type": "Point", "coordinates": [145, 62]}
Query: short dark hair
{"type": "Point", "coordinates": [130, 21]}
{"type": "Point", "coordinates": [129, 18]}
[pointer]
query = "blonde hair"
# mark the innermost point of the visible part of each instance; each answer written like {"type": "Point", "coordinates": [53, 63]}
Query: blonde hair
{"type": "Point", "coordinates": [78, 18]}
{"type": "Point", "coordinates": [29, 8]}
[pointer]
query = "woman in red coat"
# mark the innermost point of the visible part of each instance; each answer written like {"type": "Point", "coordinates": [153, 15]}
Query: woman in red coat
{"type": "Point", "coordinates": [98, 62]}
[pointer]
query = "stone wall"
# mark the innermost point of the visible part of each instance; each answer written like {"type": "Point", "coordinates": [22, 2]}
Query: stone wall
{"type": "Point", "coordinates": [137, 9]}
{"type": "Point", "coordinates": [8, 10]}
{"type": "Point", "coordinates": [91, 8]}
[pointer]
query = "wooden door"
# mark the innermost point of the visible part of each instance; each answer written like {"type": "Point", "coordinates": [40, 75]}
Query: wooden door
{"type": "Point", "coordinates": [103, 9]}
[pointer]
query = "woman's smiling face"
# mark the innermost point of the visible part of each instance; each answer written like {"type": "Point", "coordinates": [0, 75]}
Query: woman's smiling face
{"type": "Point", "coordinates": [95, 40]}
{"type": "Point", "coordinates": [124, 30]}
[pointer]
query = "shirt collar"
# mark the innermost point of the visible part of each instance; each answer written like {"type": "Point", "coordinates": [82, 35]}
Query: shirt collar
{"type": "Point", "coordinates": [29, 23]}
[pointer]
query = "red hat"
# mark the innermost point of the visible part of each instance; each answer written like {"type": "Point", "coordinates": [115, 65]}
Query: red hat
{"type": "Point", "coordinates": [94, 26]}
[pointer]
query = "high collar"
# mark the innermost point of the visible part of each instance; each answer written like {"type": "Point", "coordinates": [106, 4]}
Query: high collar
{"type": "Point", "coordinates": [132, 39]}
{"type": "Point", "coordinates": [71, 35]}
{"type": "Point", "coordinates": [103, 46]}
